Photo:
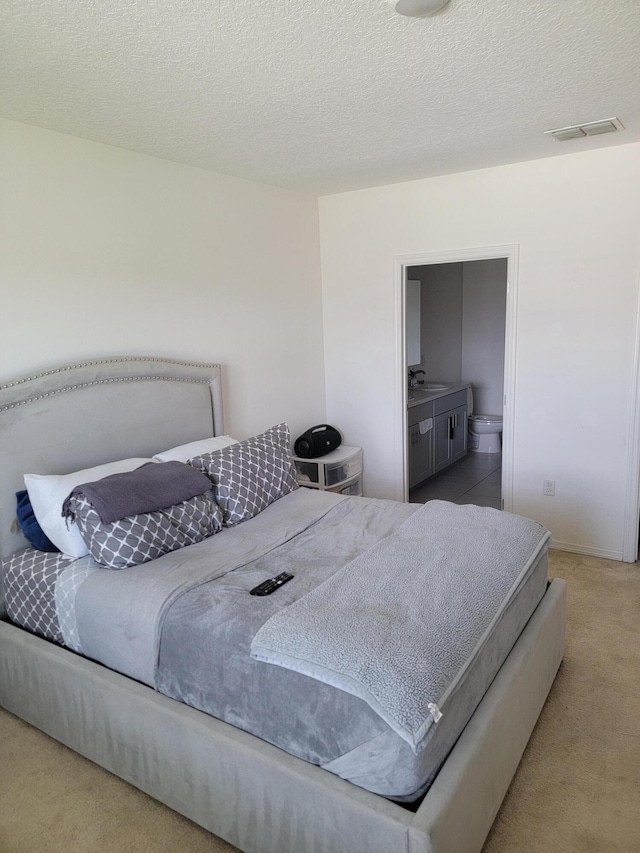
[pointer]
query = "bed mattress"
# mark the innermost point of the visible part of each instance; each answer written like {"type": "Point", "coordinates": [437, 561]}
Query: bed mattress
{"type": "Point", "coordinates": [105, 615]}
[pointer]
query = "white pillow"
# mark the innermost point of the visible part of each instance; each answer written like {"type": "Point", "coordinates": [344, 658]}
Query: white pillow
{"type": "Point", "coordinates": [195, 448]}
{"type": "Point", "coordinates": [47, 493]}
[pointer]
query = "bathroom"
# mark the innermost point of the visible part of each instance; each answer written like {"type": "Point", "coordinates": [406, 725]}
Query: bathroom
{"type": "Point", "coordinates": [455, 330]}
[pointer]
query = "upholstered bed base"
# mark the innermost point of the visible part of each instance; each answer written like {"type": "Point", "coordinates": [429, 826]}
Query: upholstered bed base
{"type": "Point", "coordinates": [260, 798]}
{"type": "Point", "coordinates": [232, 783]}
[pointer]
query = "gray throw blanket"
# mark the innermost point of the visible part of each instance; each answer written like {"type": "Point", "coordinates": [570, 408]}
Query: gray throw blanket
{"type": "Point", "coordinates": [401, 623]}
{"type": "Point", "coordinates": [153, 486]}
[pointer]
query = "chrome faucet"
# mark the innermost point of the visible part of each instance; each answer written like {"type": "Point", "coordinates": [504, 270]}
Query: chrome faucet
{"type": "Point", "coordinates": [413, 378]}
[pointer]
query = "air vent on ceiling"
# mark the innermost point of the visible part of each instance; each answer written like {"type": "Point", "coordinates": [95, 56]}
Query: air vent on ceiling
{"type": "Point", "coordinates": [590, 128]}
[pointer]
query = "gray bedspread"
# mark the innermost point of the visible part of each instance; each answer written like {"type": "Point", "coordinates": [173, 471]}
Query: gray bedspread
{"type": "Point", "coordinates": [184, 625]}
{"type": "Point", "coordinates": [120, 615]}
{"type": "Point", "coordinates": [396, 626]}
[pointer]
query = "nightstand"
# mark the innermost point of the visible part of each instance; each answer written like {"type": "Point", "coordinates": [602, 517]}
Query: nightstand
{"type": "Point", "coordinates": [339, 471]}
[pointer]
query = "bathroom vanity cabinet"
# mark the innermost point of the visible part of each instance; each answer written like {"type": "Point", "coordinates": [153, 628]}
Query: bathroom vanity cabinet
{"type": "Point", "coordinates": [421, 445]}
{"type": "Point", "coordinates": [450, 437]}
{"type": "Point", "coordinates": [442, 439]}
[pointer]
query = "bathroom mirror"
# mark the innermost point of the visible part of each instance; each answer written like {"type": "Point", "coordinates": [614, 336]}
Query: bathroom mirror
{"type": "Point", "coordinates": [412, 312]}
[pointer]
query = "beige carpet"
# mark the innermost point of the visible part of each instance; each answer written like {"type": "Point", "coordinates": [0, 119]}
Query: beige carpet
{"type": "Point", "coordinates": [576, 791]}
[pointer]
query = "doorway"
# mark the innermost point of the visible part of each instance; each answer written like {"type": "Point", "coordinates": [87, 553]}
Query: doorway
{"type": "Point", "coordinates": [462, 306]}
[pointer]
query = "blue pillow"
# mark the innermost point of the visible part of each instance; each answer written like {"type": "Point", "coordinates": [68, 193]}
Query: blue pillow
{"type": "Point", "coordinates": [29, 524]}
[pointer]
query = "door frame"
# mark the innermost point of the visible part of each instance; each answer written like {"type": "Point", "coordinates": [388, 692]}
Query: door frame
{"type": "Point", "coordinates": [631, 528]}
{"type": "Point", "coordinates": [401, 263]}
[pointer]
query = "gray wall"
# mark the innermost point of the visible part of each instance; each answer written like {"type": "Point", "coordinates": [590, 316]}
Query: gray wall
{"type": "Point", "coordinates": [441, 320]}
{"type": "Point", "coordinates": [463, 326]}
{"type": "Point", "coordinates": [484, 295]}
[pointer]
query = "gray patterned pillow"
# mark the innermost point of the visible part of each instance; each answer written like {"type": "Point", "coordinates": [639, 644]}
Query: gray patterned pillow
{"type": "Point", "coordinates": [30, 579]}
{"type": "Point", "coordinates": [250, 475]}
{"type": "Point", "coordinates": [140, 538]}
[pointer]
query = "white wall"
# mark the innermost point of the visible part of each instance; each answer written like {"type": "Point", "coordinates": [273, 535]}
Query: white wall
{"type": "Point", "coordinates": [484, 294]}
{"type": "Point", "coordinates": [577, 220]}
{"type": "Point", "coordinates": [103, 251]}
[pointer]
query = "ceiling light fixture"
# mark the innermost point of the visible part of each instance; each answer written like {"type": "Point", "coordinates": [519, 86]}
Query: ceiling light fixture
{"type": "Point", "coordinates": [417, 8]}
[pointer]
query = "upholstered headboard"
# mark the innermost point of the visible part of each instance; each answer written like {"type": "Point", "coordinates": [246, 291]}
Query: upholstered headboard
{"type": "Point", "coordinates": [79, 415]}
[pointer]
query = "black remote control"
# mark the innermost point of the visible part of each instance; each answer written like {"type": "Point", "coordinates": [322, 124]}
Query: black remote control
{"type": "Point", "coordinates": [271, 585]}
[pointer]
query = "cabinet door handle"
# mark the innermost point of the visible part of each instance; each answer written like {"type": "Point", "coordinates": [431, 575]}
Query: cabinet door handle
{"type": "Point", "coordinates": [451, 428]}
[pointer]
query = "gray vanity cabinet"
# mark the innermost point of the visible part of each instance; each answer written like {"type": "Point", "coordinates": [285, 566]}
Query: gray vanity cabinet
{"type": "Point", "coordinates": [421, 465]}
{"type": "Point", "coordinates": [459, 432]}
{"type": "Point", "coordinates": [443, 444]}
{"type": "Point", "coordinates": [450, 437]}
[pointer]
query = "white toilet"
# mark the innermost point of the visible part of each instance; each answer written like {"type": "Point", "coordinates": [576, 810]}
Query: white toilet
{"type": "Point", "coordinates": [485, 431]}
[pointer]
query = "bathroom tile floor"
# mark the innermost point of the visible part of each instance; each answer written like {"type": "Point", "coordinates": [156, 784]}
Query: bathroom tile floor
{"type": "Point", "coordinates": [475, 479]}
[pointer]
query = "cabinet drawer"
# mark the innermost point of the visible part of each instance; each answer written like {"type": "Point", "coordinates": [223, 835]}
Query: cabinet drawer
{"type": "Point", "coordinates": [419, 413]}
{"type": "Point", "coordinates": [450, 401]}
{"type": "Point", "coordinates": [352, 488]}
{"type": "Point", "coordinates": [307, 472]}
{"type": "Point", "coordinates": [327, 472]}
{"type": "Point", "coordinates": [337, 472]}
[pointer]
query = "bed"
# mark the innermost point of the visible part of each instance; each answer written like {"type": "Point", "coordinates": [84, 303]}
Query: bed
{"type": "Point", "coordinates": [241, 786]}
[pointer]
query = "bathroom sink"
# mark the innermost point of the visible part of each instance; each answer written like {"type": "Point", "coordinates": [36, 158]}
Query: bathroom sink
{"type": "Point", "coordinates": [427, 389]}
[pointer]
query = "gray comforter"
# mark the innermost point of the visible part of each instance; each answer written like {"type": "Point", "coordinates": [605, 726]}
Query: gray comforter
{"type": "Point", "coordinates": [120, 616]}
{"type": "Point", "coordinates": [184, 625]}
{"type": "Point", "coordinates": [396, 626]}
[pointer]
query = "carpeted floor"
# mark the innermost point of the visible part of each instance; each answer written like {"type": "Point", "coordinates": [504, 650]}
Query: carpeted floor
{"type": "Point", "coordinates": [577, 789]}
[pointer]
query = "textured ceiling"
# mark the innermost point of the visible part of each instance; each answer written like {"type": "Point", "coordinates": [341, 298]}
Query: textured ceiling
{"type": "Point", "coordinates": [323, 95]}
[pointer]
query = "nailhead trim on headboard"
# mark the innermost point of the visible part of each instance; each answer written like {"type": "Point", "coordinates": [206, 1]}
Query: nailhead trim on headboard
{"type": "Point", "coordinates": [97, 363]}
{"type": "Point", "coordinates": [104, 361]}
{"type": "Point", "coordinates": [98, 382]}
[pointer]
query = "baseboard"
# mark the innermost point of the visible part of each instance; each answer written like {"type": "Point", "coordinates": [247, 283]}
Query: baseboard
{"type": "Point", "coordinates": [588, 552]}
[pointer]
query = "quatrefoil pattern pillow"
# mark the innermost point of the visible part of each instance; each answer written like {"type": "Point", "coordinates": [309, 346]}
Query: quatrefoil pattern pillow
{"type": "Point", "coordinates": [30, 580]}
{"type": "Point", "coordinates": [250, 475]}
{"type": "Point", "coordinates": [140, 538]}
